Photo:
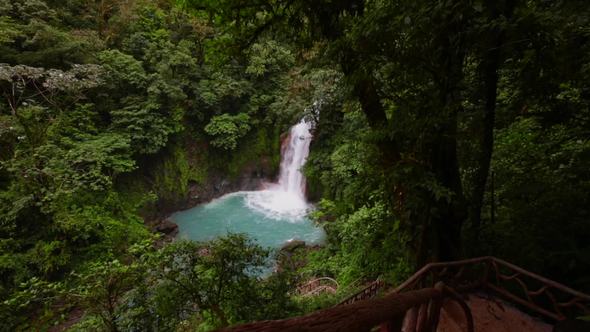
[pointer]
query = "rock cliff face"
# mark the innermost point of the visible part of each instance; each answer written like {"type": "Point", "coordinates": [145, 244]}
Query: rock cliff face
{"type": "Point", "coordinates": [193, 173]}
{"type": "Point", "coordinates": [216, 185]}
{"type": "Point", "coordinates": [251, 178]}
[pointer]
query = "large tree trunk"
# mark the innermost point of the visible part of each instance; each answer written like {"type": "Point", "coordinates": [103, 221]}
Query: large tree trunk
{"type": "Point", "coordinates": [490, 76]}
{"type": "Point", "coordinates": [370, 102]}
{"type": "Point", "coordinates": [490, 64]}
{"type": "Point", "coordinates": [367, 93]}
{"type": "Point", "coordinates": [450, 213]}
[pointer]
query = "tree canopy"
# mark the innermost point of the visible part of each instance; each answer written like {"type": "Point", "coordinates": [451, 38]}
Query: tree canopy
{"type": "Point", "coordinates": [442, 130]}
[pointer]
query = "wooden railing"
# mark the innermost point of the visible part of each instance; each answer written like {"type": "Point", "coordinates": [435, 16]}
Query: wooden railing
{"type": "Point", "coordinates": [368, 292]}
{"type": "Point", "coordinates": [388, 312]}
{"type": "Point", "coordinates": [417, 302]}
{"type": "Point", "coordinates": [317, 286]}
{"type": "Point", "coordinates": [515, 284]}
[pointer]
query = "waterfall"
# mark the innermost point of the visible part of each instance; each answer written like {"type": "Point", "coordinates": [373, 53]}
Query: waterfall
{"type": "Point", "coordinates": [273, 215]}
{"type": "Point", "coordinates": [286, 198]}
{"type": "Point", "coordinates": [293, 156]}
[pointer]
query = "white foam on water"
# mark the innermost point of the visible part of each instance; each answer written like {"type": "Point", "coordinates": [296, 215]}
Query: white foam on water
{"type": "Point", "coordinates": [277, 204]}
{"type": "Point", "coordinates": [212, 204]}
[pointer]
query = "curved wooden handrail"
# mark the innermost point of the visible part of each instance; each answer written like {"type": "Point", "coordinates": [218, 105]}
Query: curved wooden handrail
{"type": "Point", "coordinates": [421, 307]}
{"type": "Point", "coordinates": [312, 286]}
{"type": "Point", "coordinates": [388, 312]}
{"type": "Point", "coordinates": [360, 316]}
{"type": "Point", "coordinates": [497, 282]}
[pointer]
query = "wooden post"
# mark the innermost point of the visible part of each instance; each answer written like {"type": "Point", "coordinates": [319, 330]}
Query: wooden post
{"type": "Point", "coordinates": [412, 320]}
{"type": "Point", "coordinates": [434, 307]}
{"type": "Point", "coordinates": [422, 317]}
{"type": "Point", "coordinates": [392, 326]}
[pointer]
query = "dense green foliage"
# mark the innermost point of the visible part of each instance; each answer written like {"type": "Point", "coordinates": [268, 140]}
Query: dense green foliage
{"type": "Point", "coordinates": [111, 110]}
{"type": "Point", "coordinates": [185, 285]}
{"type": "Point", "coordinates": [227, 130]}
{"type": "Point", "coordinates": [434, 98]}
{"type": "Point", "coordinates": [442, 129]}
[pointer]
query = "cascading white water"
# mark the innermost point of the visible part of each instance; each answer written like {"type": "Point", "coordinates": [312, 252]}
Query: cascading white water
{"type": "Point", "coordinates": [287, 197]}
{"type": "Point", "coordinates": [294, 156]}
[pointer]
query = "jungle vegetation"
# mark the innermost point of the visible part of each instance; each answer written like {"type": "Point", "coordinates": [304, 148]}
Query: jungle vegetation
{"type": "Point", "coordinates": [443, 129]}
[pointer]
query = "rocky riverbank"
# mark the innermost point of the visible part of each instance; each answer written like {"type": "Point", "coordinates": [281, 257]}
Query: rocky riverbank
{"type": "Point", "coordinates": [252, 178]}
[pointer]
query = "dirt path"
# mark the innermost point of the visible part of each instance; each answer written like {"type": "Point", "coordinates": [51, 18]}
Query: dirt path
{"type": "Point", "coordinates": [489, 315]}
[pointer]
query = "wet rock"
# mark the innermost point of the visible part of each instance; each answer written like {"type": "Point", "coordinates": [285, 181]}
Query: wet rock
{"type": "Point", "coordinates": [167, 227]}
{"type": "Point", "coordinates": [292, 245]}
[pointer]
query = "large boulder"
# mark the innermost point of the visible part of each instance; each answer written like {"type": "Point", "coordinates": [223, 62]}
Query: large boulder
{"type": "Point", "coordinates": [167, 227]}
{"type": "Point", "coordinates": [292, 245]}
